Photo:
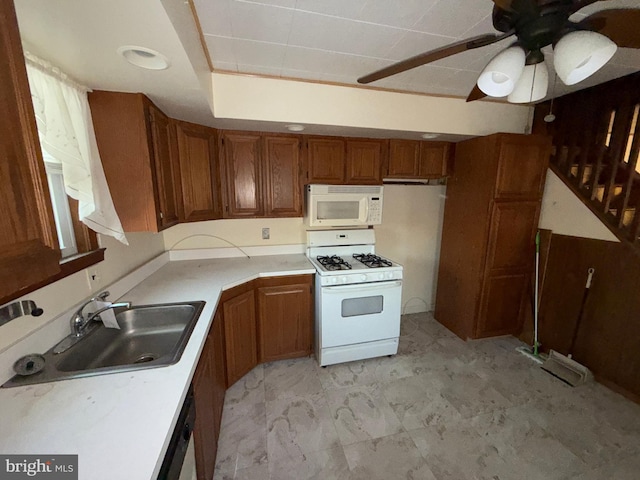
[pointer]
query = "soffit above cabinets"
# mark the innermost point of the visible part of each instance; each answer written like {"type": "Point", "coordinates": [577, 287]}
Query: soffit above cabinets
{"type": "Point", "coordinates": [328, 41]}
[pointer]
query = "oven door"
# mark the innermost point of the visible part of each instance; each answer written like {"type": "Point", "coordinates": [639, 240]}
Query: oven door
{"type": "Point", "coordinates": [359, 313]}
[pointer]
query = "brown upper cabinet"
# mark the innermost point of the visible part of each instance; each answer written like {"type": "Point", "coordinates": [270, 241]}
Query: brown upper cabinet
{"type": "Point", "coordinates": [261, 175]}
{"type": "Point", "coordinates": [139, 158]}
{"type": "Point", "coordinates": [29, 250]}
{"type": "Point", "coordinates": [282, 173]}
{"type": "Point", "coordinates": [364, 161]}
{"type": "Point", "coordinates": [416, 159]}
{"type": "Point", "coordinates": [241, 174]}
{"type": "Point", "coordinates": [325, 160]}
{"type": "Point", "coordinates": [198, 172]}
{"type": "Point", "coordinates": [336, 160]}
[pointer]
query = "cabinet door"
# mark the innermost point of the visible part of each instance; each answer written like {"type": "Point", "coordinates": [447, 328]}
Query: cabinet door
{"type": "Point", "coordinates": [404, 156]}
{"type": "Point", "coordinates": [285, 319]}
{"type": "Point", "coordinates": [326, 158]}
{"type": "Point", "coordinates": [29, 250]}
{"type": "Point", "coordinates": [205, 434]}
{"type": "Point", "coordinates": [522, 166]}
{"type": "Point", "coordinates": [283, 188]}
{"type": "Point", "coordinates": [364, 162]}
{"type": "Point", "coordinates": [242, 175]}
{"type": "Point", "coordinates": [510, 254]}
{"type": "Point", "coordinates": [501, 303]}
{"type": "Point", "coordinates": [434, 159]}
{"type": "Point", "coordinates": [165, 166]}
{"type": "Point", "coordinates": [198, 173]}
{"type": "Point", "coordinates": [219, 368]}
{"type": "Point", "coordinates": [512, 236]}
{"type": "Point", "coordinates": [240, 335]}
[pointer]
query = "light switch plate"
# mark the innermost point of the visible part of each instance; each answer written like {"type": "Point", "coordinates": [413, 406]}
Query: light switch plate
{"type": "Point", "coordinates": [266, 233]}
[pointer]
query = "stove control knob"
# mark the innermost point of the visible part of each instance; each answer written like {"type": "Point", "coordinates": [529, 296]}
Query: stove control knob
{"type": "Point", "coordinates": [334, 280]}
{"type": "Point", "coordinates": [344, 279]}
{"type": "Point", "coordinates": [381, 276]}
{"type": "Point", "coordinates": [389, 274]}
{"type": "Point", "coordinates": [363, 278]}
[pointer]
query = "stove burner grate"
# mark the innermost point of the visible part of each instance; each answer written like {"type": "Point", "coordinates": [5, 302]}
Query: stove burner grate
{"type": "Point", "coordinates": [371, 260]}
{"type": "Point", "coordinates": [333, 262]}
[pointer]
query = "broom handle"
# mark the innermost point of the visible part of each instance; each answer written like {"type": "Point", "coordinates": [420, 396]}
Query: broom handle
{"type": "Point", "coordinates": [576, 330]}
{"type": "Point", "coordinates": [535, 295]}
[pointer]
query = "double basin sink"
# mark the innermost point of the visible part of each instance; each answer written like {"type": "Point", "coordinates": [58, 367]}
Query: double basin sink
{"type": "Point", "coordinates": [149, 336]}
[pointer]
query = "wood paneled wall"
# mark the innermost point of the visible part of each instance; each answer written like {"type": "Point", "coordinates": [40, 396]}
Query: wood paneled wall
{"type": "Point", "coordinates": [608, 340]}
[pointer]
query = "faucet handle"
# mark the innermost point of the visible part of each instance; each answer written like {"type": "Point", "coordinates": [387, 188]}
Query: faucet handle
{"type": "Point", "coordinates": [102, 296]}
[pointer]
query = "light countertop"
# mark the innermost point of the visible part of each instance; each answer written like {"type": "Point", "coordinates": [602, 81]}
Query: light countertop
{"type": "Point", "coordinates": [120, 424]}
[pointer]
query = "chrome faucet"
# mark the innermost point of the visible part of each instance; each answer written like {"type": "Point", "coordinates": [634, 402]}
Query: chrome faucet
{"type": "Point", "coordinates": [97, 313]}
{"type": "Point", "coordinates": [79, 323]}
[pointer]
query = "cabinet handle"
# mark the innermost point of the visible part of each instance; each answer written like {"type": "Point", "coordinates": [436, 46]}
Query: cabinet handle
{"type": "Point", "coordinates": [161, 215]}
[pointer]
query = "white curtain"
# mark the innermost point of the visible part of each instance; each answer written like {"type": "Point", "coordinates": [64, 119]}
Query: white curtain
{"type": "Point", "coordinates": [66, 133]}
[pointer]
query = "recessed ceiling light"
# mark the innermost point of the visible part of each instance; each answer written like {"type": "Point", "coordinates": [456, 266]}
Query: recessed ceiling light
{"type": "Point", "coordinates": [295, 127]}
{"type": "Point", "coordinates": [429, 136]}
{"type": "Point", "coordinates": [144, 57]}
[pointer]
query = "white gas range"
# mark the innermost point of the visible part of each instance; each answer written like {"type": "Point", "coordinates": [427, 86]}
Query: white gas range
{"type": "Point", "coordinates": [358, 296]}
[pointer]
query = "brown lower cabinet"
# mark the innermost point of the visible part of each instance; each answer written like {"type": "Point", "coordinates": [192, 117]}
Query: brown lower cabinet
{"type": "Point", "coordinates": [284, 317]}
{"type": "Point", "coordinates": [266, 319]}
{"type": "Point", "coordinates": [240, 335]}
{"type": "Point", "coordinates": [209, 385]}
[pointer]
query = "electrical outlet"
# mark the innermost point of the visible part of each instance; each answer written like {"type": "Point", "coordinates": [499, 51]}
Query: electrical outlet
{"type": "Point", "coordinates": [266, 233]}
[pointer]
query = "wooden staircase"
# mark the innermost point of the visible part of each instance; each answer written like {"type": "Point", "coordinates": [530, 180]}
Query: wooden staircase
{"type": "Point", "coordinates": [596, 138]}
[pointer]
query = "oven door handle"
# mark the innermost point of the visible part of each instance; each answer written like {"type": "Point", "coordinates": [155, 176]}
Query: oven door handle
{"type": "Point", "coordinates": [359, 287]}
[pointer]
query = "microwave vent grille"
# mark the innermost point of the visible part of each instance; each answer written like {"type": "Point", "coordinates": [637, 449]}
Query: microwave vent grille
{"type": "Point", "coordinates": [375, 189]}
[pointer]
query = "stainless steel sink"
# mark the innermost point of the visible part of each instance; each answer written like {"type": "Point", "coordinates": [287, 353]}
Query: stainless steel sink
{"type": "Point", "coordinates": [149, 336]}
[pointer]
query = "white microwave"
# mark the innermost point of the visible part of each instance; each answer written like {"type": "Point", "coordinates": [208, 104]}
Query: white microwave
{"type": "Point", "coordinates": [343, 205]}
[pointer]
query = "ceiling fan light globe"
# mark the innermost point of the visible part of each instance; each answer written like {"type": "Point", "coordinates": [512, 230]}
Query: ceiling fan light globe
{"type": "Point", "coordinates": [499, 77]}
{"type": "Point", "coordinates": [580, 54]}
{"type": "Point", "coordinates": [532, 86]}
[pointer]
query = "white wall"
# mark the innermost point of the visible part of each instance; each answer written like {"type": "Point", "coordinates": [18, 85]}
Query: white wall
{"type": "Point", "coordinates": [410, 235]}
{"type": "Point", "coordinates": [244, 97]}
{"type": "Point", "coordinates": [56, 298]}
{"type": "Point", "coordinates": [564, 213]}
{"type": "Point", "coordinates": [241, 232]}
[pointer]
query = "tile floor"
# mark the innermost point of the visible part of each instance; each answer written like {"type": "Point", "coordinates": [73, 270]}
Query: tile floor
{"type": "Point", "coordinates": [440, 409]}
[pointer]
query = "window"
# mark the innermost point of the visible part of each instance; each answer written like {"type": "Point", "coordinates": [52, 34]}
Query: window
{"type": "Point", "coordinates": [61, 210]}
{"type": "Point", "coordinates": [612, 118]}
{"type": "Point", "coordinates": [632, 129]}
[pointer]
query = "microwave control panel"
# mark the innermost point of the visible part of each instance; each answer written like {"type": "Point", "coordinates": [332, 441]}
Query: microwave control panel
{"type": "Point", "coordinates": [375, 212]}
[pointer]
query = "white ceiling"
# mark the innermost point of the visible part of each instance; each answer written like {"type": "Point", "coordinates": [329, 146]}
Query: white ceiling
{"type": "Point", "coordinates": [341, 40]}
{"type": "Point", "coordinates": [325, 40]}
{"type": "Point", "coordinates": [81, 37]}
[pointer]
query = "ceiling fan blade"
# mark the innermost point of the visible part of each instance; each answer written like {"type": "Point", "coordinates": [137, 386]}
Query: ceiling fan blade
{"type": "Point", "coordinates": [580, 4]}
{"type": "Point", "coordinates": [476, 94]}
{"type": "Point", "coordinates": [433, 55]}
{"type": "Point", "coordinates": [519, 6]}
{"type": "Point", "coordinates": [620, 25]}
{"type": "Point", "coordinates": [504, 5]}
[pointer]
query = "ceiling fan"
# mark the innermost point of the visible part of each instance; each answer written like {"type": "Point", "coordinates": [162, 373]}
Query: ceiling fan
{"type": "Point", "coordinates": [519, 71]}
